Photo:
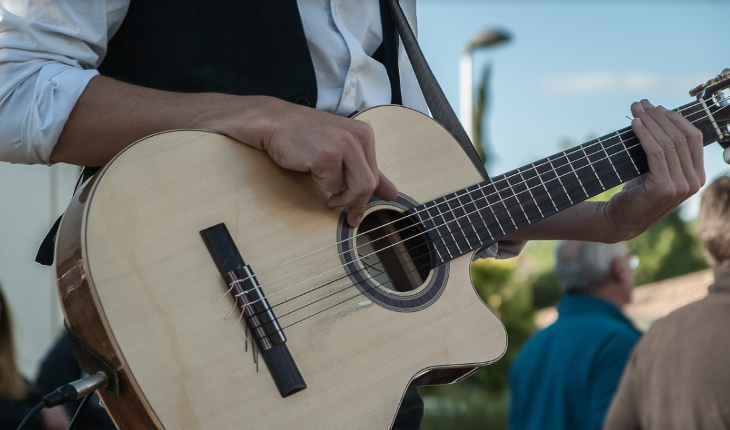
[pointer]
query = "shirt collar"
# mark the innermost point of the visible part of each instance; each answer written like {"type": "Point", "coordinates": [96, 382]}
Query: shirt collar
{"type": "Point", "coordinates": [722, 279]}
{"type": "Point", "coordinates": [584, 304]}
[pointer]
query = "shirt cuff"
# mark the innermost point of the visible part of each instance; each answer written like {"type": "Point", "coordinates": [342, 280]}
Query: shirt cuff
{"type": "Point", "coordinates": [45, 101]}
{"type": "Point", "coordinates": [501, 250]}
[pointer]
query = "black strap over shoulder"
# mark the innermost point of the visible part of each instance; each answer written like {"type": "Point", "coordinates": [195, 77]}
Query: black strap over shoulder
{"type": "Point", "coordinates": [387, 53]}
{"type": "Point", "coordinates": [435, 98]}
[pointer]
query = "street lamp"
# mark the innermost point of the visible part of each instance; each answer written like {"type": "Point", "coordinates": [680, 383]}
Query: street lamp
{"type": "Point", "coordinates": [483, 39]}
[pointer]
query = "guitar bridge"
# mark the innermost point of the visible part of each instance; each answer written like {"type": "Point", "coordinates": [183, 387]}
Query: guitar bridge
{"type": "Point", "coordinates": [256, 310]}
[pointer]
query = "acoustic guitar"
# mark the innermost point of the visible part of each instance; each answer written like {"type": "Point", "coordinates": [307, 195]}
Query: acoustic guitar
{"type": "Point", "coordinates": [222, 293]}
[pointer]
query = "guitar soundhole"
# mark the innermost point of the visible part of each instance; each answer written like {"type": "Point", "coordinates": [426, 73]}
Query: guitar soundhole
{"type": "Point", "coordinates": [393, 251]}
{"type": "Point", "coordinates": [388, 257]}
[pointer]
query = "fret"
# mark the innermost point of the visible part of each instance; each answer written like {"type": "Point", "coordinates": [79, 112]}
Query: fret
{"type": "Point", "coordinates": [593, 167]}
{"type": "Point", "coordinates": [501, 201]}
{"type": "Point", "coordinates": [559, 180]}
{"type": "Point", "coordinates": [598, 158]}
{"type": "Point", "coordinates": [430, 228]}
{"type": "Point", "coordinates": [638, 157]}
{"type": "Point", "coordinates": [518, 192]}
{"type": "Point", "coordinates": [529, 190]}
{"type": "Point", "coordinates": [480, 202]}
{"type": "Point", "coordinates": [445, 226]}
{"type": "Point", "coordinates": [542, 182]}
{"type": "Point", "coordinates": [610, 161]}
{"type": "Point", "coordinates": [468, 201]}
{"type": "Point", "coordinates": [568, 179]}
{"type": "Point", "coordinates": [490, 206]}
{"type": "Point", "coordinates": [537, 191]}
{"type": "Point", "coordinates": [589, 182]}
{"type": "Point", "coordinates": [617, 154]}
{"type": "Point", "coordinates": [461, 221]}
{"type": "Point", "coordinates": [625, 148]}
{"type": "Point", "coordinates": [575, 173]}
{"type": "Point", "coordinates": [557, 192]}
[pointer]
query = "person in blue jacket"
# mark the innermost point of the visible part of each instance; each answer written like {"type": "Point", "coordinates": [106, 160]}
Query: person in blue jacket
{"type": "Point", "coordinates": [566, 375]}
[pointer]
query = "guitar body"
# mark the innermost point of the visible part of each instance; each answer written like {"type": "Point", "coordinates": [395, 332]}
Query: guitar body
{"type": "Point", "coordinates": [138, 284]}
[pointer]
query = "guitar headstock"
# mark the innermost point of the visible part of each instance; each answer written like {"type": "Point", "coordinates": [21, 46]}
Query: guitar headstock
{"type": "Point", "coordinates": [714, 96]}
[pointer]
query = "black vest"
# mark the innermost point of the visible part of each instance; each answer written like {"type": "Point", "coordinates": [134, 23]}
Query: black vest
{"type": "Point", "coordinates": [234, 47]}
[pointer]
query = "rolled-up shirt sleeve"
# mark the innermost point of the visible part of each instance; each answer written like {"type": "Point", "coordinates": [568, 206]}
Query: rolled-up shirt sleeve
{"type": "Point", "coordinates": [49, 51]}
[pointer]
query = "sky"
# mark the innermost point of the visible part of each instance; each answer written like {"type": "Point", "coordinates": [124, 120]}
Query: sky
{"type": "Point", "coordinates": [571, 69]}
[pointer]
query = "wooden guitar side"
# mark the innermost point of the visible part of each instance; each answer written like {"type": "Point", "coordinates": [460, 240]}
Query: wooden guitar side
{"type": "Point", "coordinates": [137, 282]}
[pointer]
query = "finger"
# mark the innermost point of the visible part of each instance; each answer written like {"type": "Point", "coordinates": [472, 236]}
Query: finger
{"type": "Point", "coordinates": [328, 173]}
{"type": "Point", "coordinates": [386, 189]}
{"type": "Point", "coordinates": [659, 176]}
{"type": "Point", "coordinates": [675, 142]}
{"type": "Point", "coordinates": [366, 139]}
{"type": "Point", "coordinates": [694, 144]}
{"type": "Point", "coordinates": [660, 149]}
{"type": "Point", "coordinates": [355, 214]}
{"type": "Point", "coordinates": [359, 186]}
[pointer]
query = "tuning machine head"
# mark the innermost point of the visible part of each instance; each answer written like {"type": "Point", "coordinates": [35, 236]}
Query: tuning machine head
{"type": "Point", "coordinates": [721, 79]}
{"type": "Point", "coordinates": [714, 99]}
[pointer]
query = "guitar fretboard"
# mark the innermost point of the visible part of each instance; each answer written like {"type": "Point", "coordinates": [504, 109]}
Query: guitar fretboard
{"type": "Point", "coordinates": [487, 212]}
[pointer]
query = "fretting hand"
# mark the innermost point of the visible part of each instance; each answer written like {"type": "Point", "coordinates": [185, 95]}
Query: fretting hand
{"type": "Point", "coordinates": [674, 153]}
{"type": "Point", "coordinates": [676, 171]}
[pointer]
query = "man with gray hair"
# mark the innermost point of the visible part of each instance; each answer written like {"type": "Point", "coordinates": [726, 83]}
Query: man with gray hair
{"type": "Point", "coordinates": [566, 374]}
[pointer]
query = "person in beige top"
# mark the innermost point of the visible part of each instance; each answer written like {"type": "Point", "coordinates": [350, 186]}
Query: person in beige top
{"type": "Point", "coordinates": [678, 376]}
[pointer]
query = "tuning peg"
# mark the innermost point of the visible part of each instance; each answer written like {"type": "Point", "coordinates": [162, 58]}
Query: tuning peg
{"type": "Point", "coordinates": [698, 89]}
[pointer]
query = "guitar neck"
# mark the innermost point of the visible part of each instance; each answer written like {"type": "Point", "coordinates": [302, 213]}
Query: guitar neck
{"type": "Point", "coordinates": [486, 212]}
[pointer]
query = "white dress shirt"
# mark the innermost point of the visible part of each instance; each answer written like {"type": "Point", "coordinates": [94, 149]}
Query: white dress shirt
{"type": "Point", "coordinates": [50, 49]}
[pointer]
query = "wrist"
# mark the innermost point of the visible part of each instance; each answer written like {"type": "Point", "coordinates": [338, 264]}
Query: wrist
{"type": "Point", "coordinates": [248, 119]}
{"type": "Point", "coordinates": [615, 231]}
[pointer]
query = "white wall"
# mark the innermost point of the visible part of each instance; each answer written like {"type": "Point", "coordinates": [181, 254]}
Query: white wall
{"type": "Point", "coordinates": [31, 198]}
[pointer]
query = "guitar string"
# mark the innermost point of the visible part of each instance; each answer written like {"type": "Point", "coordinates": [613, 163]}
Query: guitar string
{"type": "Point", "coordinates": [573, 181]}
{"type": "Point", "coordinates": [480, 188]}
{"type": "Point", "coordinates": [365, 281]}
{"type": "Point", "coordinates": [565, 154]}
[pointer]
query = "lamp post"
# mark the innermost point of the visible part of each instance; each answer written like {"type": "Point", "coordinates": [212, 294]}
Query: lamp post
{"type": "Point", "coordinates": [483, 39]}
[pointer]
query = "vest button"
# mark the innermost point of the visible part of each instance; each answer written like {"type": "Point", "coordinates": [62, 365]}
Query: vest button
{"type": "Point", "coordinates": [302, 101]}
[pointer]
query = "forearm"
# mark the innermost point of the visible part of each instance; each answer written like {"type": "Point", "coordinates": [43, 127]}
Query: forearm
{"type": "Point", "coordinates": [339, 152]}
{"type": "Point", "coordinates": [584, 221]}
{"type": "Point", "coordinates": [110, 115]}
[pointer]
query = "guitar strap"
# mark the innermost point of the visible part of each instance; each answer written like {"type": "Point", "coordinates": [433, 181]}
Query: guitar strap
{"type": "Point", "coordinates": [387, 53]}
{"type": "Point", "coordinates": [432, 92]}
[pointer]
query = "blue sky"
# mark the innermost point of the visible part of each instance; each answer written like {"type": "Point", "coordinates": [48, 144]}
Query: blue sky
{"type": "Point", "coordinates": [572, 68]}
